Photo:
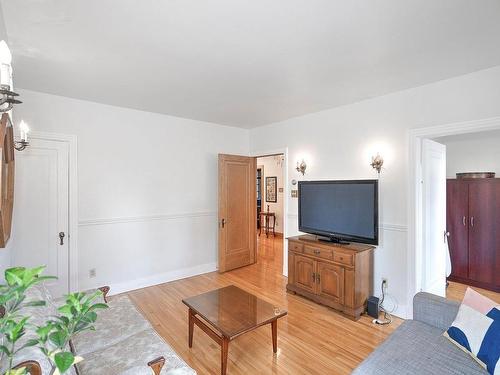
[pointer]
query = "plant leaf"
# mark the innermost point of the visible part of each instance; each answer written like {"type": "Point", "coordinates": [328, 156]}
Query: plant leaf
{"type": "Point", "coordinates": [13, 275]}
{"type": "Point", "coordinates": [4, 349]}
{"type": "Point", "coordinates": [58, 338]}
{"type": "Point", "coordinates": [35, 304]}
{"type": "Point", "coordinates": [63, 361]}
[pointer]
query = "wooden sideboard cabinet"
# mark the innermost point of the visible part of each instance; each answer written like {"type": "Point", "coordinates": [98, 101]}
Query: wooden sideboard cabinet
{"type": "Point", "coordinates": [335, 275]}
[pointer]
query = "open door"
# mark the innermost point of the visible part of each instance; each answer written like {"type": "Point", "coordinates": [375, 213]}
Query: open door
{"type": "Point", "coordinates": [434, 217]}
{"type": "Point", "coordinates": [237, 211]}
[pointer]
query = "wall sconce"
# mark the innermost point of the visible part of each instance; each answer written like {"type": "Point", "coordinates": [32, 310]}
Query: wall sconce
{"type": "Point", "coordinates": [23, 142]}
{"type": "Point", "coordinates": [301, 167]}
{"type": "Point", "coordinates": [377, 162]}
{"type": "Point", "coordinates": [6, 95]}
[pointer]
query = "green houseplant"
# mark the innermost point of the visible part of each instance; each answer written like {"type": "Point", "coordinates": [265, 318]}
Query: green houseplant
{"type": "Point", "coordinates": [77, 314]}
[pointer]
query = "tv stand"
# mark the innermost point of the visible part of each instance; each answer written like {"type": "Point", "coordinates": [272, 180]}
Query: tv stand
{"type": "Point", "coordinates": [333, 274]}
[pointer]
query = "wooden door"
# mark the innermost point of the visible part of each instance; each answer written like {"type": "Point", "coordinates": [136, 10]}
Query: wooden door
{"type": "Point", "coordinates": [330, 279]}
{"type": "Point", "coordinates": [482, 230]}
{"type": "Point", "coordinates": [41, 211]}
{"type": "Point", "coordinates": [457, 224]}
{"type": "Point", "coordinates": [305, 273]}
{"type": "Point", "coordinates": [237, 212]}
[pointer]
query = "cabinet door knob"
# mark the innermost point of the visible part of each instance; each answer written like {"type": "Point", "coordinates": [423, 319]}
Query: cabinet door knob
{"type": "Point", "coordinates": [317, 251]}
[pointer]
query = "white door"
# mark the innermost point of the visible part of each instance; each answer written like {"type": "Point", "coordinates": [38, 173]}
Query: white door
{"type": "Point", "coordinates": [41, 211]}
{"type": "Point", "coordinates": [434, 217]}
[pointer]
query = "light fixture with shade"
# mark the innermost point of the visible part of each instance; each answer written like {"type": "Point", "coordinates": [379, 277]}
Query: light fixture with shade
{"type": "Point", "coordinates": [7, 96]}
{"type": "Point", "coordinates": [23, 141]}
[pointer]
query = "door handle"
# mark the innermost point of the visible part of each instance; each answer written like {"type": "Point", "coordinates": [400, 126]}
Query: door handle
{"type": "Point", "coordinates": [446, 235]}
{"type": "Point", "coordinates": [464, 221]}
{"type": "Point", "coordinates": [223, 223]}
{"type": "Point", "coordinates": [314, 277]}
{"type": "Point", "coordinates": [61, 238]}
{"type": "Point", "coordinates": [318, 279]}
{"type": "Point", "coordinates": [472, 221]}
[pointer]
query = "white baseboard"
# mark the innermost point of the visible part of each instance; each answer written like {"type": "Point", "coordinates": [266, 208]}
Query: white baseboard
{"type": "Point", "coordinates": [161, 278]}
{"type": "Point", "coordinates": [401, 312]}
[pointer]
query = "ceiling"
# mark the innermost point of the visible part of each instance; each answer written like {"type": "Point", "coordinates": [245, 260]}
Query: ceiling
{"type": "Point", "coordinates": [245, 63]}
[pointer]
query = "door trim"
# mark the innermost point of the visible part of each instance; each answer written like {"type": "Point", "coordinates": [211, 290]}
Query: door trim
{"type": "Point", "coordinates": [286, 195]}
{"type": "Point", "coordinates": [415, 137]}
{"type": "Point", "coordinates": [72, 142]}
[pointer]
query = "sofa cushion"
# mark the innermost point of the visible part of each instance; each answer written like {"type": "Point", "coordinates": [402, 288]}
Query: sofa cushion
{"type": "Point", "coordinates": [114, 324]}
{"type": "Point", "coordinates": [131, 357]}
{"type": "Point", "coordinates": [418, 348]}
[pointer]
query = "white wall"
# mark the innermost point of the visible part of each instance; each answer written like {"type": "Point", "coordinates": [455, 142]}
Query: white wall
{"type": "Point", "coordinates": [147, 188]}
{"type": "Point", "coordinates": [272, 169]}
{"type": "Point", "coordinates": [474, 152]}
{"type": "Point", "coordinates": [5, 254]}
{"type": "Point", "coordinates": [338, 143]}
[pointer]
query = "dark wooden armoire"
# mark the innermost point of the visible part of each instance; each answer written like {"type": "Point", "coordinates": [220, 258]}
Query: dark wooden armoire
{"type": "Point", "coordinates": [473, 221]}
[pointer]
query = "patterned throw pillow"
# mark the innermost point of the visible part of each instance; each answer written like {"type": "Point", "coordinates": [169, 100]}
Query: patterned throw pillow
{"type": "Point", "coordinates": [476, 330]}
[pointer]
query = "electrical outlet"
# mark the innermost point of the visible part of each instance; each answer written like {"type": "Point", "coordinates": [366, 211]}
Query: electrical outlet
{"type": "Point", "coordinates": [385, 283]}
{"type": "Point", "coordinates": [92, 273]}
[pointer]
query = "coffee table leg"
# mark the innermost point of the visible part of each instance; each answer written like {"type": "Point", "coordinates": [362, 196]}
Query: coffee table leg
{"type": "Point", "coordinates": [274, 329]}
{"type": "Point", "coordinates": [191, 327]}
{"type": "Point", "coordinates": [223, 355]}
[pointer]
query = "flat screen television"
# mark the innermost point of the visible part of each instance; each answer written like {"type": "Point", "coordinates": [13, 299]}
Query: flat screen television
{"type": "Point", "coordinates": [340, 211]}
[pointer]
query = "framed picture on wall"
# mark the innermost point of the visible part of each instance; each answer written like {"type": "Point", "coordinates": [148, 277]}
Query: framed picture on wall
{"type": "Point", "coordinates": [271, 195]}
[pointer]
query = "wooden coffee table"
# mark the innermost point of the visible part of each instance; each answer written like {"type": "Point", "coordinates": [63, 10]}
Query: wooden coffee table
{"type": "Point", "coordinates": [229, 312]}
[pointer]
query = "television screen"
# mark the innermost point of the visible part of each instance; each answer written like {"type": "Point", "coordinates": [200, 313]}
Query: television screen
{"type": "Point", "coordinates": [340, 210]}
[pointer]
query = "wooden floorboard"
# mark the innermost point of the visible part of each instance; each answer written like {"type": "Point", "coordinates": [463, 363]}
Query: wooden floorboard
{"type": "Point", "coordinates": [312, 339]}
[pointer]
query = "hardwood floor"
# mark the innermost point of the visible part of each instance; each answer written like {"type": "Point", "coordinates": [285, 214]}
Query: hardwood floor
{"type": "Point", "coordinates": [312, 339]}
{"type": "Point", "coordinates": [456, 291]}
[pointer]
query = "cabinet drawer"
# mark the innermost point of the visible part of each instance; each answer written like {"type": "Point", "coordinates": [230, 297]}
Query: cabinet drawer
{"type": "Point", "coordinates": [318, 252]}
{"type": "Point", "coordinates": [343, 258]}
{"type": "Point", "coordinates": [295, 246]}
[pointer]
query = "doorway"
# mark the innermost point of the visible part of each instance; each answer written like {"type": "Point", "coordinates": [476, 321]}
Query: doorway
{"type": "Point", "coordinates": [45, 210]}
{"type": "Point", "coordinates": [427, 231]}
{"type": "Point", "coordinates": [270, 208]}
{"type": "Point", "coordinates": [241, 189]}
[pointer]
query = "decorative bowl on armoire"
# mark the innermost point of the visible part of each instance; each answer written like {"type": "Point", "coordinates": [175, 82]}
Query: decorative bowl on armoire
{"type": "Point", "coordinates": [476, 175]}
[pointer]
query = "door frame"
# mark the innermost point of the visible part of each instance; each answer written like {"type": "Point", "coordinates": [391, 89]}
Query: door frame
{"type": "Point", "coordinates": [284, 152]}
{"type": "Point", "coordinates": [72, 142]}
{"type": "Point", "coordinates": [415, 219]}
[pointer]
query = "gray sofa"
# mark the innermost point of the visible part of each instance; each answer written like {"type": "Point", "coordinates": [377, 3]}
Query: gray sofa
{"type": "Point", "coordinates": [419, 347]}
{"type": "Point", "coordinates": [124, 342]}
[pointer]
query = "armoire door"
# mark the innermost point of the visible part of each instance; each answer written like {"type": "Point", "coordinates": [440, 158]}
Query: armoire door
{"type": "Point", "coordinates": [457, 225]}
{"type": "Point", "coordinates": [482, 230]}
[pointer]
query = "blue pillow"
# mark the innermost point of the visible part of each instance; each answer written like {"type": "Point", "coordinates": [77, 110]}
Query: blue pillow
{"type": "Point", "coordinates": [478, 335]}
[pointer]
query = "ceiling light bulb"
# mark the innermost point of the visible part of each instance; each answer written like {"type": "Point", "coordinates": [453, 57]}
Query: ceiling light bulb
{"type": "Point", "coordinates": [5, 55]}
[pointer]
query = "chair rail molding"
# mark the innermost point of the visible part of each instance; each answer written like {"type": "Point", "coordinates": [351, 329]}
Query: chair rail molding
{"type": "Point", "coordinates": [383, 226]}
{"type": "Point", "coordinates": [145, 218]}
